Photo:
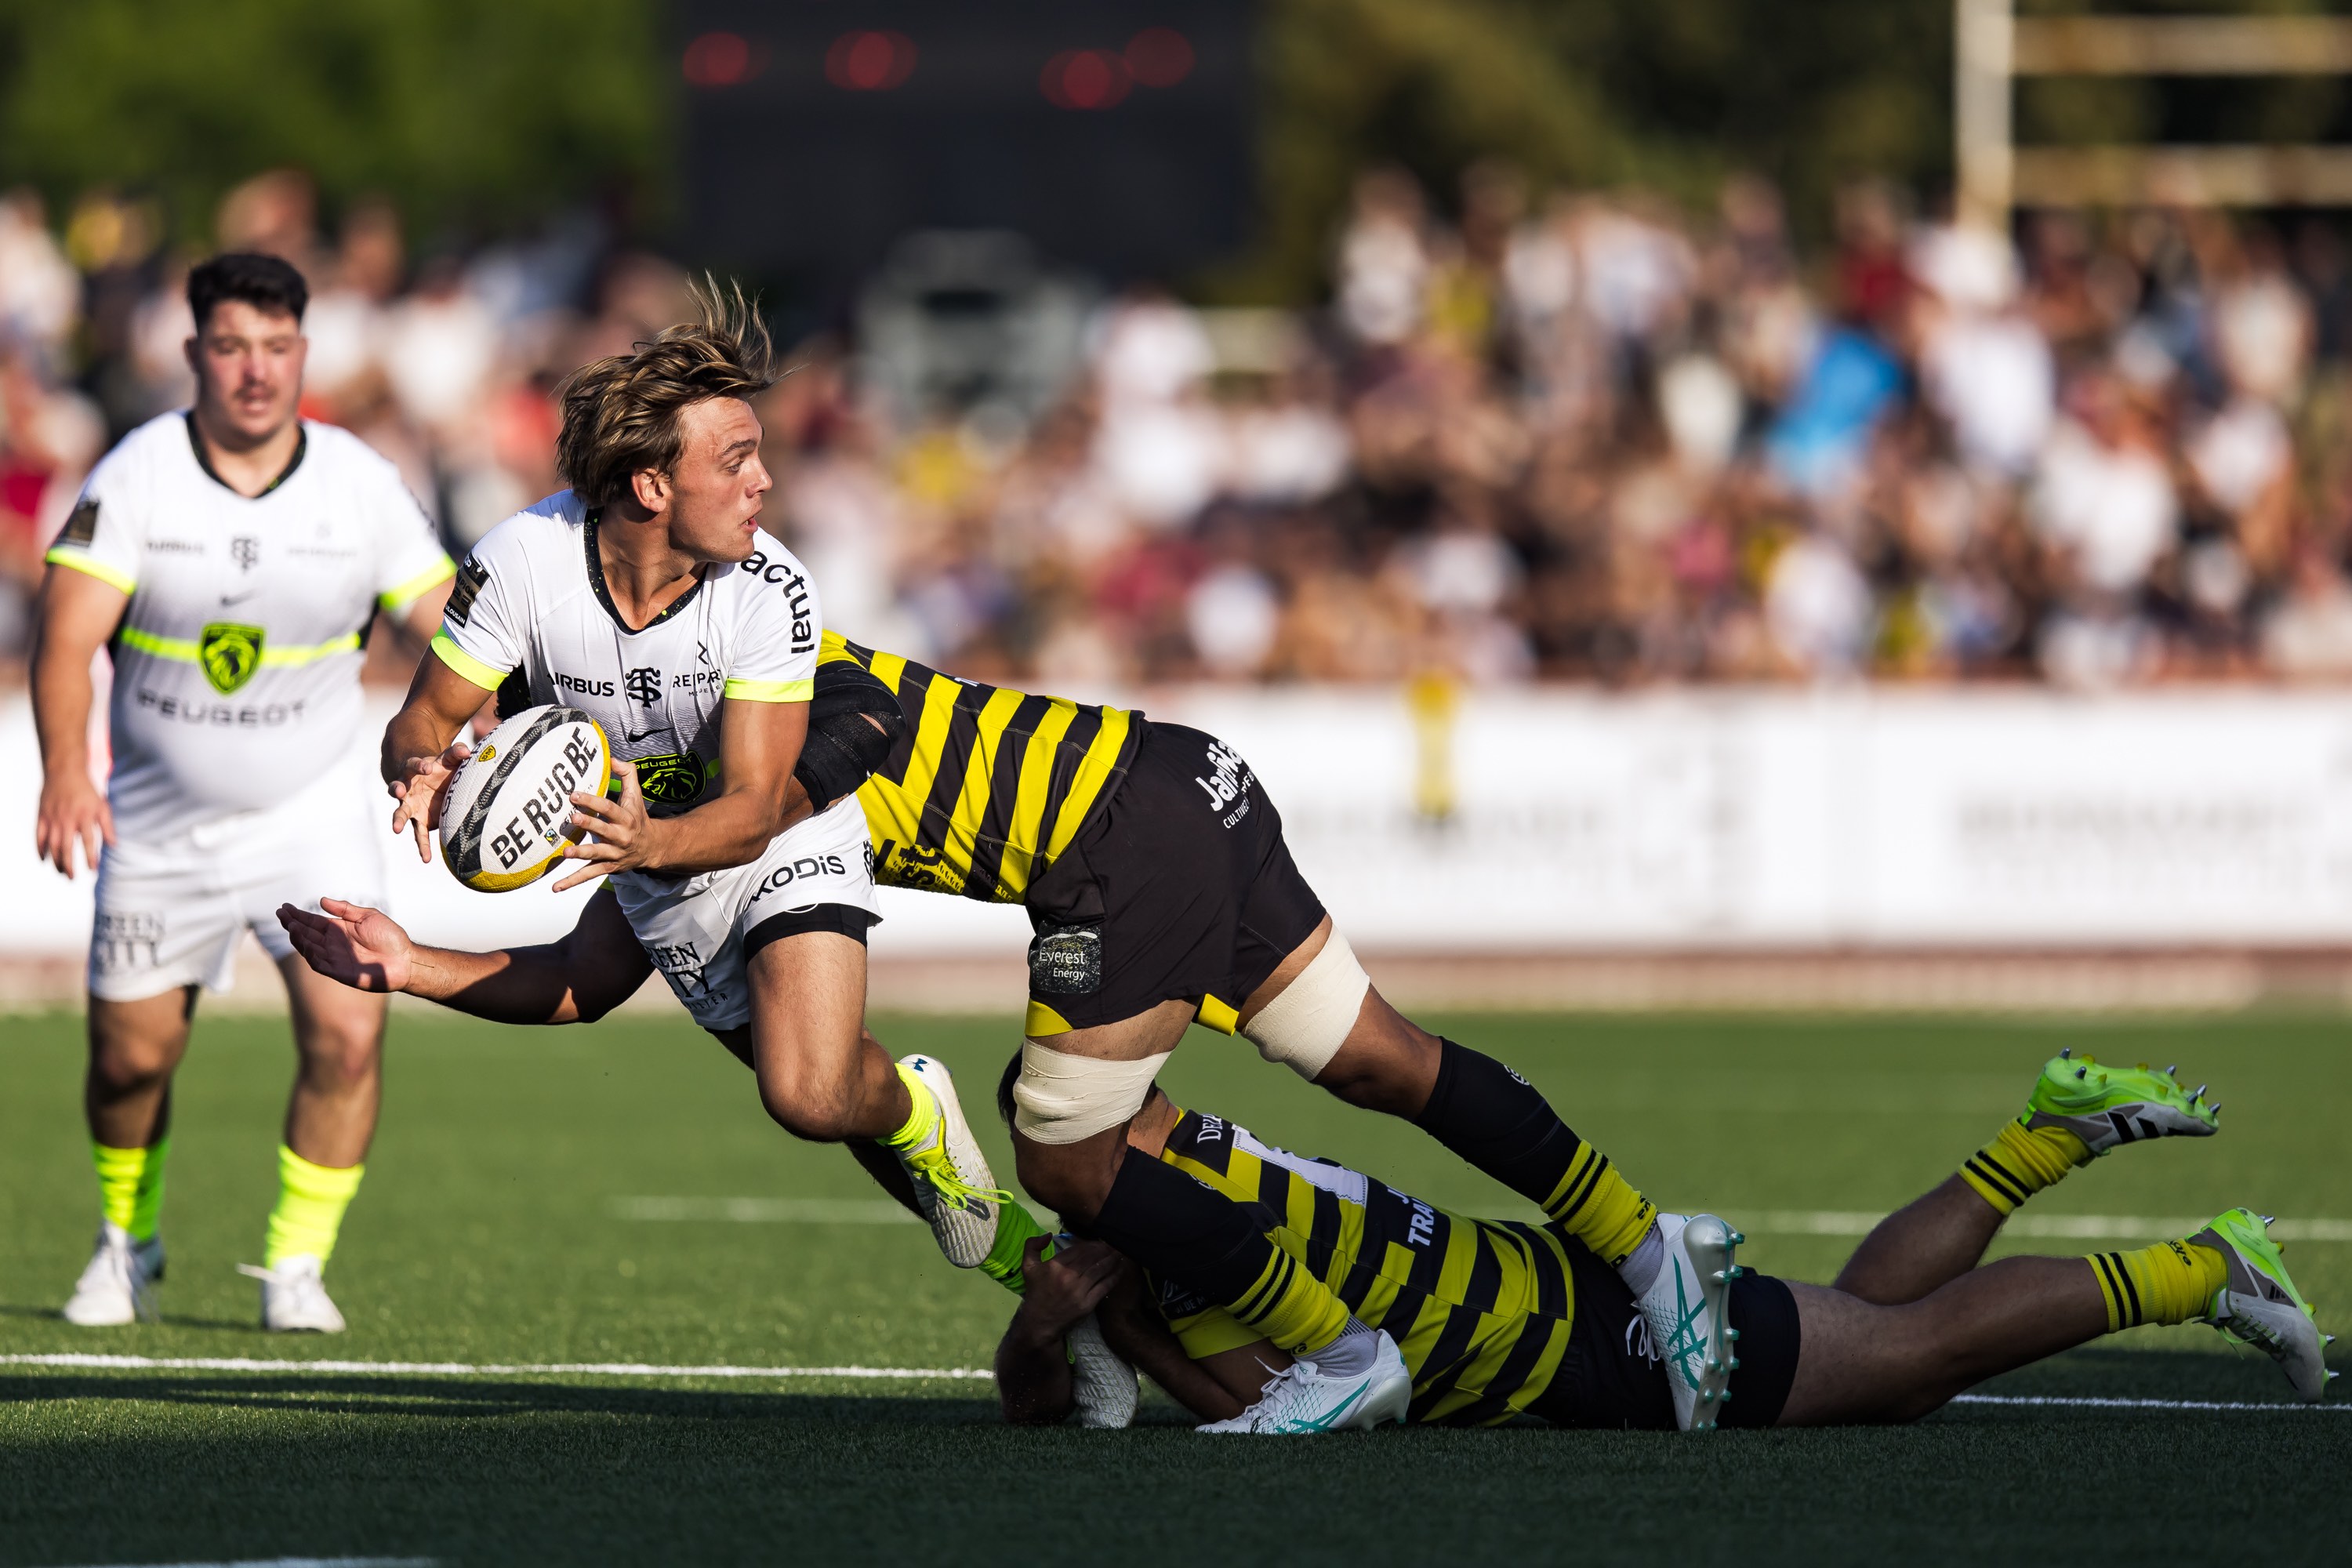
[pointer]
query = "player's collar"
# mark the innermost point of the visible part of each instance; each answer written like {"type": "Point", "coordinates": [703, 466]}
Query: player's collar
{"type": "Point", "coordinates": [196, 445]}
{"type": "Point", "coordinates": [604, 594]}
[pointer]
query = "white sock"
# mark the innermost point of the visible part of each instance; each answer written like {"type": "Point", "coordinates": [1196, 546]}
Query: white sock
{"type": "Point", "coordinates": [1640, 1270]}
{"type": "Point", "coordinates": [1350, 1355]}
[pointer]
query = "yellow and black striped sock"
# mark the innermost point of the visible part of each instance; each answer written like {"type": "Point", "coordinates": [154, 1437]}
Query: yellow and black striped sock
{"type": "Point", "coordinates": [1496, 1119]}
{"type": "Point", "coordinates": [1599, 1207]}
{"type": "Point", "coordinates": [2019, 1162]}
{"type": "Point", "coordinates": [2171, 1282]}
{"type": "Point", "coordinates": [1185, 1232]}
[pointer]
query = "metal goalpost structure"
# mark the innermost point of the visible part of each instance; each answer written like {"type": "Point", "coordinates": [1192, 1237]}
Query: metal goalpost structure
{"type": "Point", "coordinates": [1994, 46]}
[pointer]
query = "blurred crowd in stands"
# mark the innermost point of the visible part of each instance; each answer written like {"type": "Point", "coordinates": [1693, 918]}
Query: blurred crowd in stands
{"type": "Point", "coordinates": [1577, 437]}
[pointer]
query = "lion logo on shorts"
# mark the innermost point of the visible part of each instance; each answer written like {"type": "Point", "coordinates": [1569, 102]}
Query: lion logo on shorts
{"type": "Point", "coordinates": [675, 780]}
{"type": "Point", "coordinates": [230, 654]}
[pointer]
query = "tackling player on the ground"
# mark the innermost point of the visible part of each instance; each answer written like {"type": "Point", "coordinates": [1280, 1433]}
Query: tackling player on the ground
{"type": "Point", "coordinates": [1154, 872]}
{"type": "Point", "coordinates": [1501, 1318]}
{"type": "Point", "coordinates": [231, 558]}
{"type": "Point", "coordinates": [647, 596]}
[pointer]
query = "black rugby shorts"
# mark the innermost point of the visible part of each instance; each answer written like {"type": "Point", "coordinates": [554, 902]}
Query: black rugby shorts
{"type": "Point", "coordinates": [1607, 1378]}
{"type": "Point", "coordinates": [1179, 889]}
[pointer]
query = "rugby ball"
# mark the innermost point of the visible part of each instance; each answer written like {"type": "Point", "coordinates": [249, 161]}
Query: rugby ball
{"type": "Point", "coordinates": [508, 811]}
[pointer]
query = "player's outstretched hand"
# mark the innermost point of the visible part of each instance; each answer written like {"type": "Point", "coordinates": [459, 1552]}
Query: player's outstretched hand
{"type": "Point", "coordinates": [626, 835]}
{"type": "Point", "coordinates": [363, 948]}
{"type": "Point", "coordinates": [1059, 1290]}
{"type": "Point", "coordinates": [421, 786]}
{"type": "Point", "coordinates": [73, 812]}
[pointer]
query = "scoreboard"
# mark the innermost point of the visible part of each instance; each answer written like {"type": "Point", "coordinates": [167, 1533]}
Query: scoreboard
{"type": "Point", "coordinates": [1115, 134]}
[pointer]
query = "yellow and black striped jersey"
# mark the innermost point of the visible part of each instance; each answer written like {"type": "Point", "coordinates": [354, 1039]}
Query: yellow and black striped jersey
{"type": "Point", "coordinates": [1481, 1309]}
{"type": "Point", "coordinates": [988, 786]}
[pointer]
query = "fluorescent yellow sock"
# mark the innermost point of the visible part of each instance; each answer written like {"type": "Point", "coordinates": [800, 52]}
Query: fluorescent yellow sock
{"type": "Point", "coordinates": [1598, 1208]}
{"type": "Point", "coordinates": [922, 1116]}
{"type": "Point", "coordinates": [2171, 1282]}
{"type": "Point", "coordinates": [2020, 1162]}
{"type": "Point", "coordinates": [1014, 1226]}
{"type": "Point", "coordinates": [310, 1204]}
{"type": "Point", "coordinates": [130, 1186]}
{"type": "Point", "coordinates": [1291, 1306]}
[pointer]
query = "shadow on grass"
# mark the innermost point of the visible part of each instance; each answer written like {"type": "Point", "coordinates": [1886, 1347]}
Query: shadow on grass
{"type": "Point", "coordinates": [168, 1320]}
{"type": "Point", "coordinates": [2093, 1371]}
{"type": "Point", "coordinates": [473, 1398]}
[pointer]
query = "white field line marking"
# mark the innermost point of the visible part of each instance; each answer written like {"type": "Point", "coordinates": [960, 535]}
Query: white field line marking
{"type": "Point", "coordinates": [1769, 1221]}
{"type": "Point", "coordinates": [471, 1369]}
{"type": "Point", "coordinates": [298, 1562]}
{"type": "Point", "coordinates": [767, 1211]}
{"type": "Point", "coordinates": [2069, 1227]}
{"type": "Point", "coordinates": [2088, 1402]}
{"type": "Point", "coordinates": [634, 1369]}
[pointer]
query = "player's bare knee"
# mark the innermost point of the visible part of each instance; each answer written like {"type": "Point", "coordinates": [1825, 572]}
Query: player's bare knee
{"type": "Point", "coordinates": [807, 1105]}
{"type": "Point", "coordinates": [123, 1060]}
{"type": "Point", "coordinates": [1063, 1105]}
{"type": "Point", "coordinates": [1072, 1180]}
{"type": "Point", "coordinates": [344, 1060]}
{"type": "Point", "coordinates": [121, 1067]}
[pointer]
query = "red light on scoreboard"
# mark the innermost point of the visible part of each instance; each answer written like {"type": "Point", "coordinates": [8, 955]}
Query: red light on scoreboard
{"type": "Point", "coordinates": [718, 60]}
{"type": "Point", "coordinates": [1158, 57]}
{"type": "Point", "coordinates": [1085, 79]}
{"type": "Point", "coordinates": [869, 62]}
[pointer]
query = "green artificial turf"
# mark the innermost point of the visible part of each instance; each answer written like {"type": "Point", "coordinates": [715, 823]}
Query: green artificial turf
{"type": "Point", "coordinates": [490, 1232]}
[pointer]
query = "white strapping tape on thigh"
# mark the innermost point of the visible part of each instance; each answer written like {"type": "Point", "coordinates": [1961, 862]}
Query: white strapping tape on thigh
{"type": "Point", "coordinates": [1305, 1027]}
{"type": "Point", "coordinates": [1060, 1099]}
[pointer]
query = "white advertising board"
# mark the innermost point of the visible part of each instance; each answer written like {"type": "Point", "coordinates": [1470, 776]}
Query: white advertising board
{"type": "Point", "coordinates": [1672, 821]}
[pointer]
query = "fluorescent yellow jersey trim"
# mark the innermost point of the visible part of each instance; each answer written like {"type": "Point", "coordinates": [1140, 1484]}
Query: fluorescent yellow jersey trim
{"type": "Point", "coordinates": [397, 599]}
{"type": "Point", "coordinates": [1214, 1013]}
{"type": "Point", "coordinates": [769, 691]}
{"type": "Point", "coordinates": [1043, 1023]}
{"type": "Point", "coordinates": [183, 650]}
{"type": "Point", "coordinates": [990, 783]}
{"type": "Point", "coordinates": [74, 560]}
{"type": "Point", "coordinates": [465, 664]}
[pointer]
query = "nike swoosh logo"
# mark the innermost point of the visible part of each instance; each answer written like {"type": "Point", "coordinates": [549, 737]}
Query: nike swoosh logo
{"type": "Point", "coordinates": [228, 599]}
{"type": "Point", "coordinates": [627, 740]}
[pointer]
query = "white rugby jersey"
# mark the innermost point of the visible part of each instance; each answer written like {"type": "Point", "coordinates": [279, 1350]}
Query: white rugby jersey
{"type": "Point", "coordinates": [236, 666]}
{"type": "Point", "coordinates": [531, 602]}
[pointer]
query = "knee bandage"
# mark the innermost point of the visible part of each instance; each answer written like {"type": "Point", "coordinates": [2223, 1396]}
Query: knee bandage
{"type": "Point", "coordinates": [1305, 1027]}
{"type": "Point", "coordinates": [1061, 1099]}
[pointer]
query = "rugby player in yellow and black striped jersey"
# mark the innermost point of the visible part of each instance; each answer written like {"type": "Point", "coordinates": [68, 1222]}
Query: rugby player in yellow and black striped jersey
{"type": "Point", "coordinates": [986, 786]}
{"type": "Point", "coordinates": [1154, 871]}
{"type": "Point", "coordinates": [1499, 1320]}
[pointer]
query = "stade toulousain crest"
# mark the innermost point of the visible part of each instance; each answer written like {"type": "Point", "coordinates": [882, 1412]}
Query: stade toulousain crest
{"type": "Point", "coordinates": [230, 654]}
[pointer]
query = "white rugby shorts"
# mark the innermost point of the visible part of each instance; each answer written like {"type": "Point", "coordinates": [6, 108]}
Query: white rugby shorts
{"type": "Point", "coordinates": [695, 930]}
{"type": "Point", "coordinates": [172, 907]}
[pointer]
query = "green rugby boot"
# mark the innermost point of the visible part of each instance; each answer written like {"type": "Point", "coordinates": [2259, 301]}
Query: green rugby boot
{"type": "Point", "coordinates": [2260, 1305]}
{"type": "Point", "coordinates": [2107, 1106]}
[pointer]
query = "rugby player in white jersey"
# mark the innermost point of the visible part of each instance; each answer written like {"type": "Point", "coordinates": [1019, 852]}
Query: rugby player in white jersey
{"type": "Point", "coordinates": [232, 558]}
{"type": "Point", "coordinates": [647, 596]}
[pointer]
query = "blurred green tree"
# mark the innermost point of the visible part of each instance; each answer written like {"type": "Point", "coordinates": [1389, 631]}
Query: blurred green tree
{"type": "Point", "coordinates": [480, 115]}
{"type": "Point", "coordinates": [465, 113]}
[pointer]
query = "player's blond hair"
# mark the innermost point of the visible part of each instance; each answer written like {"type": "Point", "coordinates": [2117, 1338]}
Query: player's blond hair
{"type": "Point", "coordinates": [621, 413]}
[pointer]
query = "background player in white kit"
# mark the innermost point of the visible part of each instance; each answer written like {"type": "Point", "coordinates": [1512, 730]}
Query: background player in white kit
{"type": "Point", "coordinates": [233, 557]}
{"type": "Point", "coordinates": [647, 596]}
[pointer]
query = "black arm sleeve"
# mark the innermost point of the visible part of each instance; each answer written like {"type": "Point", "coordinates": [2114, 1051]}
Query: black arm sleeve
{"type": "Point", "coordinates": [853, 720]}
